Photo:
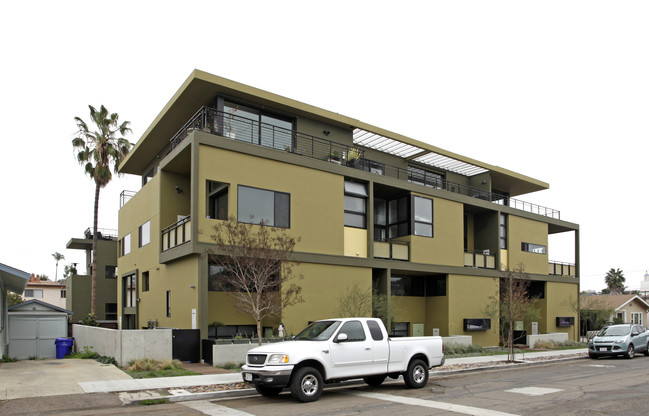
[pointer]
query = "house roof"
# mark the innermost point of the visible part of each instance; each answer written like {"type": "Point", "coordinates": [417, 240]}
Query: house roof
{"type": "Point", "coordinates": [37, 305]}
{"type": "Point", "coordinates": [614, 302]}
{"type": "Point", "coordinates": [201, 88]}
{"type": "Point", "coordinates": [13, 279]}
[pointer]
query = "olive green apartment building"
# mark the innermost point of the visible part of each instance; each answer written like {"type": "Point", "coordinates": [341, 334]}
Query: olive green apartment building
{"type": "Point", "coordinates": [431, 229]}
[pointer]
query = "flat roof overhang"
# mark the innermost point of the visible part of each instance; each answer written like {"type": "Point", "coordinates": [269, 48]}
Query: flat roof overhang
{"type": "Point", "coordinates": [201, 88]}
{"type": "Point", "coordinates": [13, 279]}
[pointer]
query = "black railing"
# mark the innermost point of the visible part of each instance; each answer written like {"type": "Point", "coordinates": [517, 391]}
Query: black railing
{"type": "Point", "coordinates": [176, 234]}
{"type": "Point", "coordinates": [267, 135]}
{"type": "Point", "coordinates": [125, 196]}
{"type": "Point", "coordinates": [102, 234]}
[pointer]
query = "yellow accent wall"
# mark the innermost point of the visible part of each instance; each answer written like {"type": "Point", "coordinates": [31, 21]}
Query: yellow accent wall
{"type": "Point", "coordinates": [319, 220]}
{"type": "Point", "coordinates": [322, 285]}
{"type": "Point", "coordinates": [522, 230]}
{"type": "Point", "coordinates": [411, 309]}
{"type": "Point", "coordinates": [355, 242]}
{"type": "Point", "coordinates": [561, 299]}
{"type": "Point", "coordinates": [468, 296]}
{"type": "Point", "coordinates": [437, 314]}
{"type": "Point", "coordinates": [447, 245]}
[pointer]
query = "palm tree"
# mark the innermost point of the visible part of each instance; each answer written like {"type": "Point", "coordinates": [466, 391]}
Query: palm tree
{"type": "Point", "coordinates": [57, 256]}
{"type": "Point", "coordinates": [615, 281]}
{"type": "Point", "coordinates": [96, 152]}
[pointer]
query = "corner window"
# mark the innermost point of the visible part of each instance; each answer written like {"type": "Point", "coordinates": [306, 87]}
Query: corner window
{"type": "Point", "coordinates": [256, 205]}
{"type": "Point", "coordinates": [214, 278]}
{"type": "Point", "coordinates": [144, 234]}
{"type": "Point", "coordinates": [355, 204]}
{"type": "Point", "coordinates": [380, 219]}
{"type": "Point", "coordinates": [145, 281]}
{"type": "Point", "coordinates": [407, 286]}
{"type": "Point", "coordinates": [533, 248]}
{"type": "Point", "coordinates": [217, 200]}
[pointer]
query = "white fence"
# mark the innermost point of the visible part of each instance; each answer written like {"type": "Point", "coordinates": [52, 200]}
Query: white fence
{"type": "Point", "coordinates": [124, 346]}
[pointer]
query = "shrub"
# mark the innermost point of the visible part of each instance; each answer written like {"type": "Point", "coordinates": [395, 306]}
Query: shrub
{"type": "Point", "coordinates": [8, 359]}
{"type": "Point", "coordinates": [458, 349]}
{"type": "Point", "coordinates": [148, 364]}
{"type": "Point", "coordinates": [90, 320]}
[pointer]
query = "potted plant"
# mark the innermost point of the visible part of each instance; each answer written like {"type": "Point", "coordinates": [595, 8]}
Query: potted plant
{"type": "Point", "coordinates": [334, 156]}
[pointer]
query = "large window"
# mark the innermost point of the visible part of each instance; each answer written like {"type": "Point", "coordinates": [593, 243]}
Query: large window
{"type": "Point", "coordinates": [355, 204]}
{"type": "Point", "coordinates": [423, 216]}
{"type": "Point", "coordinates": [217, 200]}
{"type": "Point", "coordinates": [33, 293]}
{"type": "Point", "coordinates": [533, 248]}
{"type": "Point", "coordinates": [257, 127]}
{"type": "Point", "coordinates": [408, 286]}
{"type": "Point", "coordinates": [214, 280]}
{"type": "Point", "coordinates": [425, 177]}
{"type": "Point", "coordinates": [399, 217]}
{"type": "Point", "coordinates": [144, 233]}
{"type": "Point", "coordinates": [256, 205]}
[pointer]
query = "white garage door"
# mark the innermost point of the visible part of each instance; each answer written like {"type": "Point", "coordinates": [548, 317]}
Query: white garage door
{"type": "Point", "coordinates": [34, 336]}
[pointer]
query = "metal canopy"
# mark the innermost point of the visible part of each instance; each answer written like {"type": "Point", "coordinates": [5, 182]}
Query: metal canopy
{"type": "Point", "coordinates": [395, 147]}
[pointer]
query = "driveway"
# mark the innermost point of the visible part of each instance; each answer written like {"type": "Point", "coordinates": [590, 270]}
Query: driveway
{"type": "Point", "coordinates": [35, 378]}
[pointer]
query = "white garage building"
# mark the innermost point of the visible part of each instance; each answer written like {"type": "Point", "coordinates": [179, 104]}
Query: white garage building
{"type": "Point", "coordinates": [33, 327]}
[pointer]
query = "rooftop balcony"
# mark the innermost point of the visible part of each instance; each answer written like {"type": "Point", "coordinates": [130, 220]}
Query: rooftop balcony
{"type": "Point", "coordinates": [270, 136]}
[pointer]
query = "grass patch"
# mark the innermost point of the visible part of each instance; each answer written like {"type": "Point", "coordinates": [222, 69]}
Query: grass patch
{"type": "Point", "coordinates": [232, 366]}
{"type": "Point", "coordinates": [153, 401]}
{"type": "Point", "coordinates": [552, 345]}
{"type": "Point", "coordinates": [148, 368]}
{"type": "Point", "coordinates": [89, 354]}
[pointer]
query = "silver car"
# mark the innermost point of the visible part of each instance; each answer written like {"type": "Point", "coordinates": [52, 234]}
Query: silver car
{"type": "Point", "coordinates": [624, 339]}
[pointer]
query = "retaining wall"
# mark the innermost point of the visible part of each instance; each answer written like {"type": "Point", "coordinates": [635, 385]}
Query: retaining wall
{"type": "Point", "coordinates": [553, 336]}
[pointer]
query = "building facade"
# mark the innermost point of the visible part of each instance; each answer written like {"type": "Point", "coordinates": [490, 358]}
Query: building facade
{"type": "Point", "coordinates": [429, 229]}
{"type": "Point", "coordinates": [46, 291]}
{"type": "Point", "coordinates": [79, 285]}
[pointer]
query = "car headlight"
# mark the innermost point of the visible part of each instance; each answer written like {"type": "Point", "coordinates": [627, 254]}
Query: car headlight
{"type": "Point", "coordinates": [620, 341]}
{"type": "Point", "coordinates": [278, 359]}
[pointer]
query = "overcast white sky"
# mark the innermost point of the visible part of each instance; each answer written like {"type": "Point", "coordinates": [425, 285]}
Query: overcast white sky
{"type": "Point", "coordinates": [556, 90]}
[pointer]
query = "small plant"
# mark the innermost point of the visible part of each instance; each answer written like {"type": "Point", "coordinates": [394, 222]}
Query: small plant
{"type": "Point", "coordinates": [90, 320]}
{"type": "Point", "coordinates": [148, 368]}
{"type": "Point", "coordinates": [231, 366]}
{"type": "Point", "coordinates": [86, 354]}
{"type": "Point", "coordinates": [8, 359]}
{"type": "Point", "coordinates": [151, 402]}
{"type": "Point", "coordinates": [106, 360]}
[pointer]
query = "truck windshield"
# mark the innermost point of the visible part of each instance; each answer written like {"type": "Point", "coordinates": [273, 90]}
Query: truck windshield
{"type": "Point", "coordinates": [318, 331]}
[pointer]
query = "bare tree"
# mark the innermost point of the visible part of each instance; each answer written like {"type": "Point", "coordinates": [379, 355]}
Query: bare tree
{"type": "Point", "coordinates": [511, 303]}
{"type": "Point", "coordinates": [355, 302]}
{"type": "Point", "coordinates": [256, 268]}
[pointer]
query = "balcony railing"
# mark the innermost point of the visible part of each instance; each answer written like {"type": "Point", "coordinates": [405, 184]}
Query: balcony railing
{"type": "Point", "coordinates": [395, 250]}
{"type": "Point", "coordinates": [177, 234]}
{"type": "Point", "coordinates": [125, 196]}
{"type": "Point", "coordinates": [479, 259]}
{"type": "Point", "coordinates": [267, 135]}
{"type": "Point", "coordinates": [558, 268]}
{"type": "Point", "coordinates": [102, 234]}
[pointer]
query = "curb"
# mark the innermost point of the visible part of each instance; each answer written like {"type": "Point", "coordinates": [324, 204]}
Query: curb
{"type": "Point", "coordinates": [224, 394]}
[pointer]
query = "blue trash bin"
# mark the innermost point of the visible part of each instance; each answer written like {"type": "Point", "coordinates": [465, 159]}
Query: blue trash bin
{"type": "Point", "coordinates": [63, 347]}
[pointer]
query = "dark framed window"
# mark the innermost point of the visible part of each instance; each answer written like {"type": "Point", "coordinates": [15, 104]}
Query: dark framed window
{"type": "Point", "coordinates": [256, 126]}
{"type": "Point", "coordinates": [217, 200]}
{"type": "Point", "coordinates": [399, 217]}
{"type": "Point", "coordinates": [380, 219]}
{"type": "Point", "coordinates": [408, 285]}
{"type": "Point", "coordinates": [503, 231]}
{"type": "Point", "coordinates": [422, 216]}
{"type": "Point", "coordinates": [111, 272]}
{"type": "Point", "coordinates": [533, 248]}
{"type": "Point", "coordinates": [126, 244]}
{"type": "Point", "coordinates": [214, 281]}
{"type": "Point", "coordinates": [436, 286]}
{"type": "Point", "coordinates": [129, 289]}
{"type": "Point", "coordinates": [425, 177]}
{"type": "Point", "coordinates": [111, 311]}
{"type": "Point", "coordinates": [168, 303]}
{"type": "Point", "coordinates": [145, 281]}
{"type": "Point", "coordinates": [33, 293]}
{"type": "Point", "coordinates": [64, 294]}
{"type": "Point", "coordinates": [256, 205]}
{"type": "Point", "coordinates": [401, 329]}
{"type": "Point", "coordinates": [356, 204]}
{"type": "Point", "coordinates": [144, 234]}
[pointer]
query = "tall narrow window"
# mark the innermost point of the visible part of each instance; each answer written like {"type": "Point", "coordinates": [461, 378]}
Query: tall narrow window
{"type": "Point", "coordinates": [168, 303]}
{"type": "Point", "coordinates": [399, 217]}
{"type": "Point", "coordinates": [380, 219]}
{"type": "Point", "coordinates": [355, 204]}
{"type": "Point", "coordinates": [126, 244]}
{"type": "Point", "coordinates": [145, 281]}
{"type": "Point", "coordinates": [503, 231]}
{"type": "Point", "coordinates": [144, 233]}
{"type": "Point", "coordinates": [256, 205]}
{"type": "Point", "coordinates": [110, 310]}
{"type": "Point", "coordinates": [423, 216]}
{"type": "Point", "coordinates": [217, 197]}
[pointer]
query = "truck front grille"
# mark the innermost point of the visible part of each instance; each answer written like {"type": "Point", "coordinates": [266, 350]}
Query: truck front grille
{"type": "Point", "coordinates": [256, 359]}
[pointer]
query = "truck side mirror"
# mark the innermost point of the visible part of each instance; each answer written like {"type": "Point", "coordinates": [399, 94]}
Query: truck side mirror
{"type": "Point", "coordinates": [342, 337]}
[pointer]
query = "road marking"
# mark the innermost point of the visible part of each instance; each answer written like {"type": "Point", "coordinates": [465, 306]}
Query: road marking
{"type": "Point", "coordinates": [458, 408]}
{"type": "Point", "coordinates": [534, 391]}
{"type": "Point", "coordinates": [208, 408]}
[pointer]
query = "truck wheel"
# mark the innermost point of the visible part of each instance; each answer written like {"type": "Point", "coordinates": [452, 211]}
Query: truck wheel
{"type": "Point", "coordinates": [416, 376]}
{"type": "Point", "coordinates": [268, 391]}
{"type": "Point", "coordinates": [374, 381]}
{"type": "Point", "coordinates": [306, 384]}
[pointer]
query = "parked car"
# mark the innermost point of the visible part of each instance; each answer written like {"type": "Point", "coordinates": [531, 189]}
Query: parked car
{"type": "Point", "coordinates": [340, 349]}
{"type": "Point", "coordinates": [624, 339]}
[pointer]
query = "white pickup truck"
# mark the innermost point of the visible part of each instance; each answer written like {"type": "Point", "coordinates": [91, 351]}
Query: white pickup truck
{"type": "Point", "coordinates": [340, 349]}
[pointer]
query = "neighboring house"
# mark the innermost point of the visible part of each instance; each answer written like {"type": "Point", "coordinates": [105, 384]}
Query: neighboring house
{"type": "Point", "coordinates": [34, 327]}
{"type": "Point", "coordinates": [46, 291]}
{"type": "Point", "coordinates": [629, 309]}
{"type": "Point", "coordinates": [78, 286]}
{"type": "Point", "coordinates": [427, 227]}
{"type": "Point", "coordinates": [11, 280]}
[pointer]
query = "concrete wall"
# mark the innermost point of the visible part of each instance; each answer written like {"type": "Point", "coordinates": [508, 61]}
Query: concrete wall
{"type": "Point", "coordinates": [124, 346]}
{"type": "Point", "coordinates": [555, 337]}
